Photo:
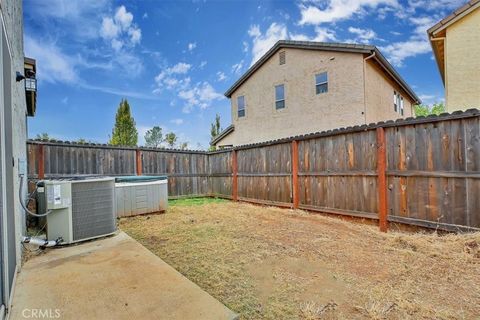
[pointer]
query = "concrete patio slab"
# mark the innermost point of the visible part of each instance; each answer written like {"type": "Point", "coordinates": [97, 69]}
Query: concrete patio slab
{"type": "Point", "coordinates": [111, 278]}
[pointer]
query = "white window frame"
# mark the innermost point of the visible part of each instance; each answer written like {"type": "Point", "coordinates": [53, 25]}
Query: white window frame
{"type": "Point", "coordinates": [243, 107]}
{"type": "Point", "coordinates": [279, 100]}
{"type": "Point", "coordinates": [395, 101]}
{"type": "Point", "coordinates": [320, 83]}
{"type": "Point", "coordinates": [401, 106]}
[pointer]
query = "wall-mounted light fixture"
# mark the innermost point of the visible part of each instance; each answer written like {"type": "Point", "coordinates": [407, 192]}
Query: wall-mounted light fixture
{"type": "Point", "coordinates": [19, 77]}
{"type": "Point", "coordinates": [30, 81]}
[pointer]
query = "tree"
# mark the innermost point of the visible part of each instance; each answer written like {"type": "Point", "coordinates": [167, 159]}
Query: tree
{"type": "Point", "coordinates": [184, 146]}
{"type": "Point", "coordinates": [425, 110]}
{"type": "Point", "coordinates": [215, 130]}
{"type": "Point", "coordinates": [43, 136]}
{"type": "Point", "coordinates": [124, 132]}
{"type": "Point", "coordinates": [171, 139]}
{"type": "Point", "coordinates": [82, 141]}
{"type": "Point", "coordinates": [154, 137]}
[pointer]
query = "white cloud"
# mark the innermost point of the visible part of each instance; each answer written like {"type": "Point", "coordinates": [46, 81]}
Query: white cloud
{"type": "Point", "coordinates": [321, 35]}
{"type": "Point", "coordinates": [363, 35]}
{"type": "Point", "coordinates": [435, 4]}
{"type": "Point", "coordinates": [202, 64]}
{"type": "Point", "coordinates": [237, 67]}
{"type": "Point", "coordinates": [201, 95]}
{"type": "Point", "coordinates": [109, 29]}
{"type": "Point", "coordinates": [416, 44]}
{"type": "Point", "coordinates": [245, 46]}
{"type": "Point", "coordinates": [262, 42]}
{"type": "Point", "coordinates": [336, 10]}
{"type": "Point", "coordinates": [78, 19]}
{"type": "Point", "coordinates": [180, 68]}
{"type": "Point", "coordinates": [397, 52]}
{"type": "Point", "coordinates": [192, 46]}
{"type": "Point", "coordinates": [177, 121]}
{"type": "Point", "coordinates": [123, 18]}
{"type": "Point", "coordinates": [120, 29]}
{"type": "Point", "coordinates": [221, 76]}
{"type": "Point", "coordinates": [52, 64]}
{"type": "Point", "coordinates": [135, 35]}
{"type": "Point", "coordinates": [145, 15]}
{"type": "Point", "coordinates": [169, 77]}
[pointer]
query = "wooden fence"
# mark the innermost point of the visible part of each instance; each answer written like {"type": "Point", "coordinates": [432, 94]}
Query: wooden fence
{"type": "Point", "coordinates": [423, 171]}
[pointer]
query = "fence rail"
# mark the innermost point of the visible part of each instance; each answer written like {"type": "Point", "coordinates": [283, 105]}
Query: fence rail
{"type": "Point", "coordinates": [423, 171]}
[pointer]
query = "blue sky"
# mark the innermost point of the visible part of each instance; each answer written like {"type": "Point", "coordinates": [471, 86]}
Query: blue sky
{"type": "Point", "coordinates": [173, 60]}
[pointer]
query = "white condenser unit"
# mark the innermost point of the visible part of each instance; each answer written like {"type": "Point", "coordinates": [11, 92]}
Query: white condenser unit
{"type": "Point", "coordinates": [82, 209]}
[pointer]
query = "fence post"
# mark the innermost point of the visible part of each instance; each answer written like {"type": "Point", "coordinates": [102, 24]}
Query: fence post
{"type": "Point", "coordinates": [382, 180]}
{"type": "Point", "coordinates": [138, 156]}
{"type": "Point", "coordinates": [234, 176]}
{"type": "Point", "coordinates": [41, 161]}
{"type": "Point", "coordinates": [295, 191]}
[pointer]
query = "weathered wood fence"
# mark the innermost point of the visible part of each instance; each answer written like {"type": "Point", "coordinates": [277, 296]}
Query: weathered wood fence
{"type": "Point", "coordinates": [423, 171]}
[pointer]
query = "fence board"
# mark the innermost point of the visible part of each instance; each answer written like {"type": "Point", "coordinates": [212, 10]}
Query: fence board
{"type": "Point", "coordinates": [432, 170]}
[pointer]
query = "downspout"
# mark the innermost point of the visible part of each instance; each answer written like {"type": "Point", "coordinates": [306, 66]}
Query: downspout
{"type": "Point", "coordinates": [365, 86]}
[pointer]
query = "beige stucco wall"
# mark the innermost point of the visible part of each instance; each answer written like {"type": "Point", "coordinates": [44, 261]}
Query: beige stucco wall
{"type": "Point", "coordinates": [350, 99]}
{"type": "Point", "coordinates": [228, 140]}
{"type": "Point", "coordinates": [462, 63]}
{"type": "Point", "coordinates": [305, 111]}
{"type": "Point", "coordinates": [379, 90]}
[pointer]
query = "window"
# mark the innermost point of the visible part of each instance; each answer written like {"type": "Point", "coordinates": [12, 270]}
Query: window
{"type": "Point", "coordinates": [395, 105]}
{"type": "Point", "coordinates": [279, 97]}
{"type": "Point", "coordinates": [241, 106]}
{"type": "Point", "coordinates": [321, 82]}
{"type": "Point", "coordinates": [281, 57]}
{"type": "Point", "coordinates": [401, 106]}
{"type": "Point", "coordinates": [398, 105]}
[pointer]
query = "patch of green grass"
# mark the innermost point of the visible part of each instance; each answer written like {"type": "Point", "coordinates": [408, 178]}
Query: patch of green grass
{"type": "Point", "coordinates": [194, 201]}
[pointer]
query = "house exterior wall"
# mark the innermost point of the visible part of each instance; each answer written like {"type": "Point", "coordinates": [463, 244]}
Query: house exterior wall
{"type": "Point", "coordinates": [13, 136]}
{"type": "Point", "coordinates": [305, 111]}
{"type": "Point", "coordinates": [379, 90]}
{"type": "Point", "coordinates": [358, 93]}
{"type": "Point", "coordinates": [462, 65]}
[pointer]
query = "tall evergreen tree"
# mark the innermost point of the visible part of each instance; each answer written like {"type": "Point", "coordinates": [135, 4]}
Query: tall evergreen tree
{"type": "Point", "coordinates": [124, 132]}
{"type": "Point", "coordinates": [154, 137]}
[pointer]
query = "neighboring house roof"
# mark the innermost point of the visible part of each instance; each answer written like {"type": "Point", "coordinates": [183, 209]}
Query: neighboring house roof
{"type": "Point", "coordinates": [223, 134]}
{"type": "Point", "coordinates": [325, 46]}
{"type": "Point", "coordinates": [437, 33]}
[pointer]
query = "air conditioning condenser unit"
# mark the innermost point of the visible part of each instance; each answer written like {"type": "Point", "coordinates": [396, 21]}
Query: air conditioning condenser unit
{"type": "Point", "coordinates": [82, 209]}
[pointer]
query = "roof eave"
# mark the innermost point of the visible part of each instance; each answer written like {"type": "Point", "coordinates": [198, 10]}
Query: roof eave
{"type": "Point", "coordinates": [396, 76]}
{"type": "Point", "coordinates": [222, 134]}
{"type": "Point", "coordinates": [309, 45]}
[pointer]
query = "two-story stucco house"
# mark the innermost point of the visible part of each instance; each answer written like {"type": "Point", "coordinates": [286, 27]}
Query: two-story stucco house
{"type": "Point", "coordinates": [300, 87]}
{"type": "Point", "coordinates": [456, 45]}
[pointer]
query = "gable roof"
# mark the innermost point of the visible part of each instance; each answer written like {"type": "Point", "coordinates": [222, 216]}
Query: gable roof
{"type": "Point", "coordinates": [438, 31]}
{"type": "Point", "coordinates": [326, 46]}
{"type": "Point", "coordinates": [223, 134]}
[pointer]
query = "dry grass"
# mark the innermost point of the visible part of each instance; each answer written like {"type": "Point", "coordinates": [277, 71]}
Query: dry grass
{"type": "Point", "coordinates": [274, 263]}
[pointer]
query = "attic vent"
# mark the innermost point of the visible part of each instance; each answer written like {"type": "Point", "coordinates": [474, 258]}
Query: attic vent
{"type": "Point", "coordinates": [281, 56]}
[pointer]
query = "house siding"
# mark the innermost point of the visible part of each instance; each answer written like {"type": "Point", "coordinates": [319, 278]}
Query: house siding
{"type": "Point", "coordinates": [379, 89]}
{"type": "Point", "coordinates": [462, 76]}
{"type": "Point", "coordinates": [305, 111]}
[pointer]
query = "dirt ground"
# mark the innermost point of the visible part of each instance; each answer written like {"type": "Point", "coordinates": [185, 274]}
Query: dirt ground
{"type": "Point", "coordinates": [271, 263]}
